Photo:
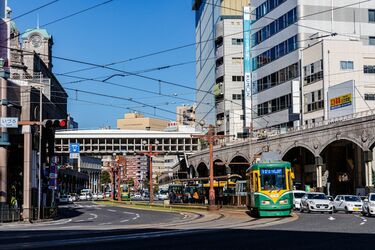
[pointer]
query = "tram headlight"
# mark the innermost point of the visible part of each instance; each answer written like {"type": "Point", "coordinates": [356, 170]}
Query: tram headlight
{"type": "Point", "coordinates": [283, 202]}
{"type": "Point", "coordinates": [266, 202]}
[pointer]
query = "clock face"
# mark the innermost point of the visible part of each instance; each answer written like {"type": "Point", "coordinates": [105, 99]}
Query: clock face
{"type": "Point", "coordinates": [36, 41]}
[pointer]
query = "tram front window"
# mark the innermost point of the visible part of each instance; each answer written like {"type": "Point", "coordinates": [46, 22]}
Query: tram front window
{"type": "Point", "coordinates": [272, 179]}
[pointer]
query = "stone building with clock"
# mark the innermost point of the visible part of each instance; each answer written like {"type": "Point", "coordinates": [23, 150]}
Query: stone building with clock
{"type": "Point", "coordinates": [30, 65]}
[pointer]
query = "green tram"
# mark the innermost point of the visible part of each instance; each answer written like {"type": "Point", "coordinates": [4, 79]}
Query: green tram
{"type": "Point", "coordinates": [270, 185]}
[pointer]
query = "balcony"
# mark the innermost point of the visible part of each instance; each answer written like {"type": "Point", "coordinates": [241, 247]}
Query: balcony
{"type": "Point", "coordinates": [219, 29]}
{"type": "Point", "coordinates": [219, 52]}
{"type": "Point", "coordinates": [219, 71]}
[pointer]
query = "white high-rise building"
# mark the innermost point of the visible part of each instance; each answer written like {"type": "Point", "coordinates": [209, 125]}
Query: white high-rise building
{"type": "Point", "coordinates": [219, 68]}
{"type": "Point", "coordinates": [280, 31]}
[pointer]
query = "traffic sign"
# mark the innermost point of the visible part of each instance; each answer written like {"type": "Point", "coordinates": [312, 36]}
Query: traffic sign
{"type": "Point", "coordinates": [73, 155]}
{"type": "Point", "coordinates": [9, 122]}
{"type": "Point", "coordinates": [74, 148]}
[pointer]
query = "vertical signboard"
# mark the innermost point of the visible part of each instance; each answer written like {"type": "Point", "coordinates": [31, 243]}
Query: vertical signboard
{"type": "Point", "coordinates": [247, 65]}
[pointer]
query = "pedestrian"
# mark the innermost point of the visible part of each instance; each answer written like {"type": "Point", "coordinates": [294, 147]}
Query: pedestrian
{"type": "Point", "coordinates": [195, 196]}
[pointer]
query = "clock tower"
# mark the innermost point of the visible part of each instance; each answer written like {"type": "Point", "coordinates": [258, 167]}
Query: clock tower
{"type": "Point", "coordinates": [40, 42]}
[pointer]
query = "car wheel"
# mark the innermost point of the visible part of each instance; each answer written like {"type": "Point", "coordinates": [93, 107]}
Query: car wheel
{"type": "Point", "coordinates": [330, 212]}
{"type": "Point", "coordinates": [346, 210]}
{"type": "Point", "coordinates": [334, 210]}
{"type": "Point", "coordinates": [308, 209]}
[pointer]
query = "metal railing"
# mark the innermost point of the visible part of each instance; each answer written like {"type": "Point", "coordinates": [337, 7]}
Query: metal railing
{"type": "Point", "coordinates": [8, 214]}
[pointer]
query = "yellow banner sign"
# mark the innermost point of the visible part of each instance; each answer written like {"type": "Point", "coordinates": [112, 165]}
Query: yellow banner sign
{"type": "Point", "coordinates": [340, 101]}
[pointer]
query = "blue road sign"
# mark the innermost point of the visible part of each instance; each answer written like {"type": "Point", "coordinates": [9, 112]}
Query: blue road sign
{"type": "Point", "coordinates": [74, 148]}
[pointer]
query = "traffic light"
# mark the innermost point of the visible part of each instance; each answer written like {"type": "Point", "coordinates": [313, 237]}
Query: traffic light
{"type": "Point", "coordinates": [55, 123]}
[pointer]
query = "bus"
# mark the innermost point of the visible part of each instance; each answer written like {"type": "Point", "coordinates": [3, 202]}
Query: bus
{"type": "Point", "coordinates": [270, 189]}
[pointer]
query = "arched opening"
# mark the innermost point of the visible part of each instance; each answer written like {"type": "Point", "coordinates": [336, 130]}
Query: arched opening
{"type": "Point", "coordinates": [303, 165]}
{"type": "Point", "coordinates": [183, 172]}
{"type": "Point", "coordinates": [219, 168]}
{"type": "Point", "coordinates": [239, 165]}
{"type": "Point", "coordinates": [343, 169]}
{"type": "Point", "coordinates": [202, 170]}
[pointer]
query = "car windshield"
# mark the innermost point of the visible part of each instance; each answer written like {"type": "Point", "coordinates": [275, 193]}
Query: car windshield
{"type": "Point", "coordinates": [352, 198]}
{"type": "Point", "coordinates": [317, 197]}
{"type": "Point", "coordinates": [273, 179]}
{"type": "Point", "coordinates": [372, 198]}
{"type": "Point", "coordinates": [298, 195]}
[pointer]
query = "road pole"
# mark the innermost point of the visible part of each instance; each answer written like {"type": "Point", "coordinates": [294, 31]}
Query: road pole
{"type": "Point", "coordinates": [40, 150]}
{"type": "Point", "coordinates": [211, 197]}
{"type": "Point", "coordinates": [118, 167]}
{"type": "Point", "coordinates": [3, 148]}
{"type": "Point", "coordinates": [151, 184]}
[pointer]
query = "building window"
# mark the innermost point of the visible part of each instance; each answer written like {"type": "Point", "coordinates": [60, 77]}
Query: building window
{"type": "Point", "coordinates": [371, 40]}
{"type": "Point", "coordinates": [313, 72]}
{"type": "Point", "coordinates": [237, 78]}
{"type": "Point", "coordinates": [314, 101]}
{"type": "Point", "coordinates": [275, 105]}
{"type": "Point", "coordinates": [286, 74]}
{"type": "Point", "coordinates": [275, 27]}
{"type": "Point", "coordinates": [371, 16]}
{"type": "Point", "coordinates": [237, 60]}
{"type": "Point", "coordinates": [236, 97]}
{"type": "Point", "coordinates": [242, 117]}
{"type": "Point", "coordinates": [275, 53]}
{"type": "Point", "coordinates": [369, 69]}
{"type": "Point", "coordinates": [237, 41]}
{"type": "Point", "coordinates": [370, 97]}
{"type": "Point", "coordinates": [266, 7]}
{"type": "Point", "coordinates": [346, 65]}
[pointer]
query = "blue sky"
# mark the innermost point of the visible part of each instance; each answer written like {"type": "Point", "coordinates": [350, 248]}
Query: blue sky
{"type": "Point", "coordinates": [113, 32]}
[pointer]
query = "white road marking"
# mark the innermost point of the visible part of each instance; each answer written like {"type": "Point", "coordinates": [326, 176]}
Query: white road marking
{"type": "Point", "coordinates": [128, 213]}
{"type": "Point", "coordinates": [94, 215]}
{"type": "Point", "coordinates": [111, 210]}
{"type": "Point", "coordinates": [80, 220]}
{"type": "Point", "coordinates": [61, 222]}
{"type": "Point", "coordinates": [331, 218]}
{"type": "Point", "coordinates": [134, 218]}
{"type": "Point", "coordinates": [124, 221]}
{"type": "Point", "coordinates": [106, 223]}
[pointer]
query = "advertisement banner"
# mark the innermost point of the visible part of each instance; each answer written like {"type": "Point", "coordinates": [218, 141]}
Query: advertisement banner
{"type": "Point", "coordinates": [340, 101]}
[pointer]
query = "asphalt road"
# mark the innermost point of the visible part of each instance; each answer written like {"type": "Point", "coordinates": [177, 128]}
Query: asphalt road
{"type": "Point", "coordinates": [122, 228]}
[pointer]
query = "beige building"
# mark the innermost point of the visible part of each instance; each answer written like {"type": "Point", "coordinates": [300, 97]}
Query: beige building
{"type": "Point", "coordinates": [136, 121]}
{"type": "Point", "coordinates": [337, 81]}
{"type": "Point", "coordinates": [185, 115]}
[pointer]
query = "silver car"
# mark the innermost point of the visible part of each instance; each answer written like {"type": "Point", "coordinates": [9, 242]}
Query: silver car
{"type": "Point", "coordinates": [347, 203]}
{"type": "Point", "coordinates": [316, 202]}
{"type": "Point", "coordinates": [297, 195]}
{"type": "Point", "coordinates": [369, 205]}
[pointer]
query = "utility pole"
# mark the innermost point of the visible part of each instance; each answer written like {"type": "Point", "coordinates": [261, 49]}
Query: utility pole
{"type": "Point", "coordinates": [150, 153]}
{"type": "Point", "coordinates": [210, 137]}
{"type": "Point", "coordinates": [3, 141]}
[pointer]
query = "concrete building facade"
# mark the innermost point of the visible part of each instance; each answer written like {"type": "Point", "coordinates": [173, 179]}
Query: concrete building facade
{"type": "Point", "coordinates": [219, 68]}
{"type": "Point", "coordinates": [280, 31]}
{"type": "Point", "coordinates": [136, 121]}
{"type": "Point", "coordinates": [185, 115]}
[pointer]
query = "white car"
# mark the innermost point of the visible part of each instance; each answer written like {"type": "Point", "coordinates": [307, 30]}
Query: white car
{"type": "Point", "coordinates": [369, 205]}
{"type": "Point", "coordinates": [83, 197]}
{"type": "Point", "coordinates": [100, 196]}
{"type": "Point", "coordinates": [65, 199]}
{"type": "Point", "coordinates": [95, 196]}
{"type": "Point", "coordinates": [316, 202]}
{"type": "Point", "coordinates": [297, 195]}
{"type": "Point", "coordinates": [347, 203]}
{"type": "Point", "coordinates": [137, 196]}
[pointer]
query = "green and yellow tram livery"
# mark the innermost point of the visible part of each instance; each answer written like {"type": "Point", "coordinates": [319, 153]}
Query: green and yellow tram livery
{"type": "Point", "coordinates": [270, 185]}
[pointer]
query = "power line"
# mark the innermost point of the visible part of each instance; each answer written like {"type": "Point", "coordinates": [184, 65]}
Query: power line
{"type": "Point", "coordinates": [33, 10]}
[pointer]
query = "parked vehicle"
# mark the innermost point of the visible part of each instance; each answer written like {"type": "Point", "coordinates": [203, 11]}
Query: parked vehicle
{"type": "Point", "coordinates": [65, 199]}
{"type": "Point", "coordinates": [94, 196]}
{"type": "Point", "coordinates": [369, 205]}
{"type": "Point", "coordinates": [83, 197]}
{"type": "Point", "coordinates": [347, 203]}
{"type": "Point", "coordinates": [100, 196]}
{"type": "Point", "coordinates": [74, 197]}
{"type": "Point", "coordinates": [297, 195]}
{"type": "Point", "coordinates": [316, 202]}
{"type": "Point", "coordinates": [162, 195]}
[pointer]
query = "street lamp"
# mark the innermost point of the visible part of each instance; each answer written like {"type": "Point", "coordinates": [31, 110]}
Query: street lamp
{"type": "Point", "coordinates": [150, 153]}
{"type": "Point", "coordinates": [211, 137]}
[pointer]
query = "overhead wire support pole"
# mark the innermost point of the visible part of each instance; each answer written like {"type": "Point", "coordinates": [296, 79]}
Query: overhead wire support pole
{"type": "Point", "coordinates": [151, 153]}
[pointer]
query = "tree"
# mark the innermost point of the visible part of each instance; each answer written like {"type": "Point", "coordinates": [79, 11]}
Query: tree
{"type": "Point", "coordinates": [105, 177]}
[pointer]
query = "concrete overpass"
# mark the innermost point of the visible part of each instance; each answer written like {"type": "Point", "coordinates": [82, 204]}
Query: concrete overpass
{"type": "Point", "coordinates": [338, 152]}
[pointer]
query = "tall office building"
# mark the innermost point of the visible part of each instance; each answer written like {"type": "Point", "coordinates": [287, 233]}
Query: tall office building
{"type": "Point", "coordinates": [280, 31]}
{"type": "Point", "coordinates": [219, 68]}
